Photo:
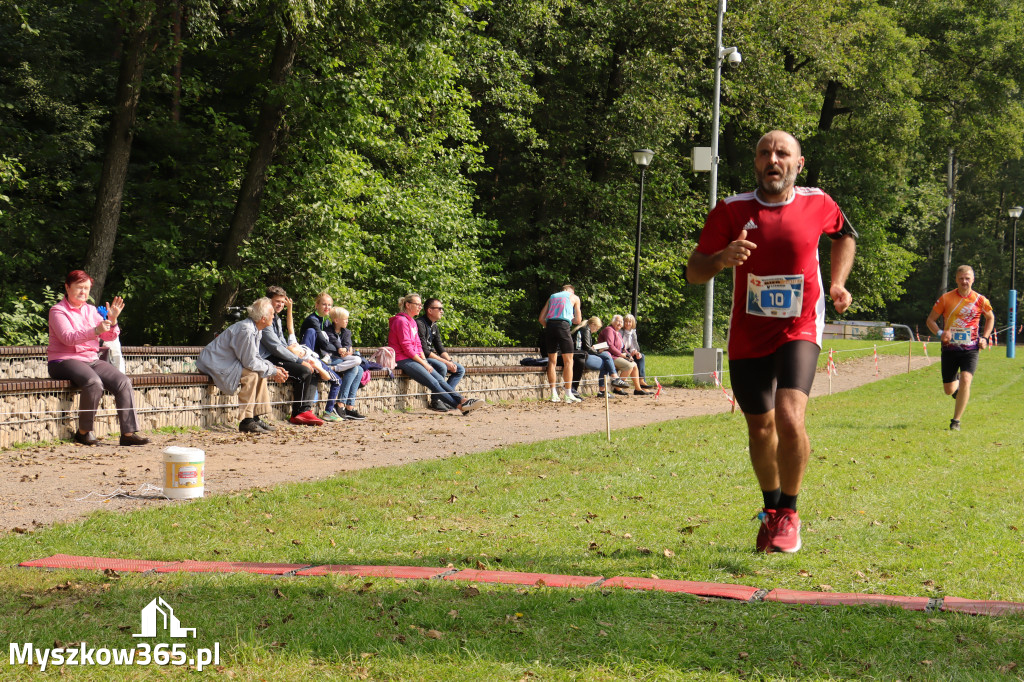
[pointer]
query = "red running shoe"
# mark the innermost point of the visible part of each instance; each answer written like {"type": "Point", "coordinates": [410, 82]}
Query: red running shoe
{"type": "Point", "coordinates": [764, 533]}
{"type": "Point", "coordinates": [307, 418]}
{"type": "Point", "coordinates": [786, 535]}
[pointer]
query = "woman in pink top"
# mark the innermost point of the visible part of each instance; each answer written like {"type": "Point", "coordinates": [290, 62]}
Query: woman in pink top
{"type": "Point", "coordinates": [627, 368]}
{"type": "Point", "coordinates": [73, 354]}
{"type": "Point", "coordinates": [404, 337]}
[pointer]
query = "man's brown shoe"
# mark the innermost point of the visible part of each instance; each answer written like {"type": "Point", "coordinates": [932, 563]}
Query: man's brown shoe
{"type": "Point", "coordinates": [133, 439]}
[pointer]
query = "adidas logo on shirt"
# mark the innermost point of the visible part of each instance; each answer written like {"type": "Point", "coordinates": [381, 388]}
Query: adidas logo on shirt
{"type": "Point", "coordinates": [751, 225]}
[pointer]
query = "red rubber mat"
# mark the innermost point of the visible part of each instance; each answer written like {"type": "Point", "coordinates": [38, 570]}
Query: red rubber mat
{"type": "Point", "coordinates": [94, 563]}
{"type": "Point", "coordinates": [724, 591]}
{"type": "Point", "coordinates": [399, 572]}
{"type": "Point", "coordinates": [512, 578]}
{"type": "Point", "coordinates": [228, 567]}
{"type": "Point", "coordinates": [846, 599]}
{"type": "Point", "coordinates": [979, 607]}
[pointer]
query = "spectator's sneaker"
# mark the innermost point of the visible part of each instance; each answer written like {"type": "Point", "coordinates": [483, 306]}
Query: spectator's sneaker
{"type": "Point", "coordinates": [331, 416]}
{"type": "Point", "coordinates": [353, 414]}
{"type": "Point", "coordinates": [570, 398]}
{"type": "Point", "coordinates": [250, 425]}
{"type": "Point", "coordinates": [785, 535]}
{"type": "Point", "coordinates": [437, 406]}
{"type": "Point", "coordinates": [306, 418]}
{"type": "Point", "coordinates": [264, 425]}
{"type": "Point", "coordinates": [620, 383]}
{"type": "Point", "coordinates": [470, 405]}
{"type": "Point", "coordinates": [578, 395]}
{"type": "Point", "coordinates": [600, 394]}
{"type": "Point", "coordinates": [554, 398]}
{"type": "Point", "coordinates": [954, 424]}
{"type": "Point", "coordinates": [764, 532]}
{"type": "Point", "coordinates": [640, 391]}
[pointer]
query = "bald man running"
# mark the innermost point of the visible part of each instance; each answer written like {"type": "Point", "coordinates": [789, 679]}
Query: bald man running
{"type": "Point", "coordinates": [770, 239]}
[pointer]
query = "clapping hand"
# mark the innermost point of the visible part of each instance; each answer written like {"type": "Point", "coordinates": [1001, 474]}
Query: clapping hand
{"type": "Point", "coordinates": [114, 309]}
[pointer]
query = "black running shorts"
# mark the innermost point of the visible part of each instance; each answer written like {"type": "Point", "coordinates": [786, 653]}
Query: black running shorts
{"type": "Point", "coordinates": [955, 361]}
{"type": "Point", "coordinates": [556, 337]}
{"type": "Point", "coordinates": [755, 380]}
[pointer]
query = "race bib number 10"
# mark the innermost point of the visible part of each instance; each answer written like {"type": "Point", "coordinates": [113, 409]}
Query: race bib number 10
{"type": "Point", "coordinates": [775, 295]}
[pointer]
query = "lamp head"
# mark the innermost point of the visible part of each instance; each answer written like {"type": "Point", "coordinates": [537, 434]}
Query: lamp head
{"type": "Point", "coordinates": [643, 157]}
{"type": "Point", "coordinates": [1014, 212]}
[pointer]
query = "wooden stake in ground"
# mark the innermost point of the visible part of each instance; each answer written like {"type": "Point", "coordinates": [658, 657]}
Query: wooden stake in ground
{"type": "Point", "coordinates": [607, 409]}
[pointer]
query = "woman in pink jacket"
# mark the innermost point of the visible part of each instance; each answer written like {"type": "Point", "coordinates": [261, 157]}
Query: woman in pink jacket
{"type": "Point", "coordinates": [76, 329]}
{"type": "Point", "coordinates": [404, 337]}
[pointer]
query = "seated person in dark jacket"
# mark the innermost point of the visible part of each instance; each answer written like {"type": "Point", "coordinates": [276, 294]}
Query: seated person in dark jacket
{"type": "Point", "coordinates": [313, 335]}
{"type": "Point", "coordinates": [434, 351]}
{"type": "Point", "coordinates": [346, 362]}
{"type": "Point", "coordinates": [274, 347]}
{"type": "Point", "coordinates": [583, 338]}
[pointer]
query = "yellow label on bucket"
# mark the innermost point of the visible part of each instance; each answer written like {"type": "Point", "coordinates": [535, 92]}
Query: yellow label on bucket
{"type": "Point", "coordinates": [183, 475]}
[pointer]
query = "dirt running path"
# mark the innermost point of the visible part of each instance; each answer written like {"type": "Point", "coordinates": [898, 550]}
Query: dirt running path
{"type": "Point", "coordinates": [41, 486]}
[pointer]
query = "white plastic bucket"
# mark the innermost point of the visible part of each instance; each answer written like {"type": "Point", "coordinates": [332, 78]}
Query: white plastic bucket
{"type": "Point", "coordinates": [183, 472]}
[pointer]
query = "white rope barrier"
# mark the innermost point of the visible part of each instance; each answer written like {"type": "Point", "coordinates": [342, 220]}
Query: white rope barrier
{"type": "Point", "coordinates": [36, 417]}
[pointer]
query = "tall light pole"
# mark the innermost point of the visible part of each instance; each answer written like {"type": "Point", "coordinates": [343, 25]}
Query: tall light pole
{"type": "Point", "coordinates": [733, 56]}
{"type": "Point", "coordinates": [642, 157]}
{"type": "Point", "coordinates": [1011, 337]}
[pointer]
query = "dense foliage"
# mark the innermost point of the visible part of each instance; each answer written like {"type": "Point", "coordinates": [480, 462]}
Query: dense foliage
{"type": "Point", "coordinates": [480, 151]}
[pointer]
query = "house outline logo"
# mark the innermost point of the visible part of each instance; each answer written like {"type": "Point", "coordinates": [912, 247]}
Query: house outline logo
{"type": "Point", "coordinates": [171, 624]}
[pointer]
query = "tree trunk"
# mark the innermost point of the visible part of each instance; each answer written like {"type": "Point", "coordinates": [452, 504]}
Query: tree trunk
{"type": "Point", "coordinates": [829, 111]}
{"type": "Point", "coordinates": [110, 190]}
{"type": "Point", "coordinates": [250, 195]}
{"type": "Point", "coordinates": [176, 21]}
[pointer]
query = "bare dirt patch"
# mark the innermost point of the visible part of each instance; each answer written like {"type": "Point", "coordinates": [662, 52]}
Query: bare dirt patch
{"type": "Point", "coordinates": [43, 485]}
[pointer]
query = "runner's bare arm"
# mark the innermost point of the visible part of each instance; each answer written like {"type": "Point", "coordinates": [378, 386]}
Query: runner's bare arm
{"type": "Point", "coordinates": [543, 317]}
{"type": "Point", "coordinates": [933, 320]}
{"type": "Point", "coordinates": [702, 267]}
{"type": "Point", "coordinates": [990, 324]}
{"type": "Point", "coordinates": [843, 250]}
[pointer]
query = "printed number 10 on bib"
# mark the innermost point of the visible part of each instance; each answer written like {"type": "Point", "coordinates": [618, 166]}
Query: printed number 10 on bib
{"type": "Point", "coordinates": [775, 295]}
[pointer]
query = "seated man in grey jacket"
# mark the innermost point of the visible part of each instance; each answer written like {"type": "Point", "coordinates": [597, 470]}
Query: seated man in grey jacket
{"type": "Point", "coordinates": [233, 362]}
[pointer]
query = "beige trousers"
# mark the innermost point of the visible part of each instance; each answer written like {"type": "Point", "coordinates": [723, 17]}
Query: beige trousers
{"type": "Point", "coordinates": [253, 396]}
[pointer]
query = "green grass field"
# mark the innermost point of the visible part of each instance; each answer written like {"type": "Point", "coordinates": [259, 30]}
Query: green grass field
{"type": "Point", "coordinates": [893, 503]}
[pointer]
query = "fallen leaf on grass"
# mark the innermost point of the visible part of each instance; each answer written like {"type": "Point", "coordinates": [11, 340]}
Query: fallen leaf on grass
{"type": "Point", "coordinates": [804, 573]}
{"type": "Point", "coordinates": [470, 592]}
{"type": "Point", "coordinates": [434, 634]}
{"type": "Point", "coordinates": [278, 593]}
{"type": "Point", "coordinates": [668, 553]}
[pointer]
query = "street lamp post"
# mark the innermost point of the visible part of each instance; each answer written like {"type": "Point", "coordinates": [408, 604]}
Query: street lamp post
{"type": "Point", "coordinates": [1011, 337]}
{"type": "Point", "coordinates": [733, 56]}
{"type": "Point", "coordinates": [642, 157]}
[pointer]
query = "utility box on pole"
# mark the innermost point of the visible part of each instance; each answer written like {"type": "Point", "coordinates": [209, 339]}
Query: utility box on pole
{"type": "Point", "coordinates": [705, 362]}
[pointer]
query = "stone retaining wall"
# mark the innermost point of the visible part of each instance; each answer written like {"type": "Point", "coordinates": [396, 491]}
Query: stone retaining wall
{"type": "Point", "coordinates": [47, 414]}
{"type": "Point", "coordinates": [29, 362]}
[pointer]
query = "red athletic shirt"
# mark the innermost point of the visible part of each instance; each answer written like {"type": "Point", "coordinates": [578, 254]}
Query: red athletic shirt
{"type": "Point", "coordinates": [786, 298]}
